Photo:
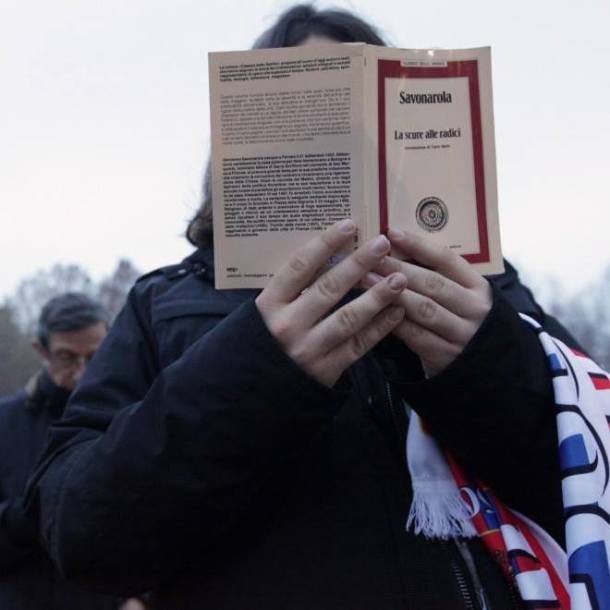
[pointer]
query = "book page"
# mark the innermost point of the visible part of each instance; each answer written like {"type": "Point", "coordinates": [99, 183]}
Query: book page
{"type": "Point", "coordinates": [431, 154]}
{"type": "Point", "coordinates": [286, 153]}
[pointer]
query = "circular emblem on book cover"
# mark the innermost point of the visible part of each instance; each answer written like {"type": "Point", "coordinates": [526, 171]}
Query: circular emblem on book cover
{"type": "Point", "coordinates": [431, 214]}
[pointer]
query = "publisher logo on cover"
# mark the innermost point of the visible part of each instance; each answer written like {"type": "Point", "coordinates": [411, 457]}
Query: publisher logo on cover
{"type": "Point", "coordinates": [431, 214]}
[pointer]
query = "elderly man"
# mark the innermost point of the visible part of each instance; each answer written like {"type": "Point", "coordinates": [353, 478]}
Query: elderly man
{"type": "Point", "coordinates": [70, 329]}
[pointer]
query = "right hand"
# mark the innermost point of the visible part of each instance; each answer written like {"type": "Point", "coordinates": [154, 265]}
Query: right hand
{"type": "Point", "coordinates": [296, 302]}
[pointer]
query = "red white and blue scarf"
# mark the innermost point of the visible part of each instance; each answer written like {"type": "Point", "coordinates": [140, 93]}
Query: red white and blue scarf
{"type": "Point", "coordinates": [447, 504]}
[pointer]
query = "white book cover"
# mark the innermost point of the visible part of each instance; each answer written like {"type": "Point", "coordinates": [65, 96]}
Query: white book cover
{"type": "Point", "coordinates": [305, 136]}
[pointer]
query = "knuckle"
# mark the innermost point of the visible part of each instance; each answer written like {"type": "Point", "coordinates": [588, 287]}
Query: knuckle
{"type": "Point", "coordinates": [348, 319]}
{"type": "Point", "coordinates": [384, 326]}
{"type": "Point", "coordinates": [485, 295]}
{"type": "Point", "coordinates": [328, 285]}
{"type": "Point", "coordinates": [377, 332]}
{"type": "Point", "coordinates": [358, 346]}
{"type": "Point", "coordinates": [283, 330]}
{"type": "Point", "coordinates": [480, 302]}
{"type": "Point", "coordinates": [360, 258]}
{"type": "Point", "coordinates": [394, 316]}
{"type": "Point", "coordinates": [325, 371]}
{"type": "Point", "coordinates": [480, 311]}
{"type": "Point", "coordinates": [263, 302]}
{"type": "Point", "coordinates": [453, 351]}
{"type": "Point", "coordinates": [303, 355]}
{"type": "Point", "coordinates": [322, 374]}
{"type": "Point", "coordinates": [426, 309]}
{"type": "Point", "coordinates": [298, 263]}
{"type": "Point", "coordinates": [434, 283]}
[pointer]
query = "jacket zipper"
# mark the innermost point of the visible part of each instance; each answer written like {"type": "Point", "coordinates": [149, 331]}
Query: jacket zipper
{"type": "Point", "coordinates": [464, 552]}
{"type": "Point", "coordinates": [462, 584]}
{"type": "Point", "coordinates": [394, 413]}
{"type": "Point", "coordinates": [462, 547]}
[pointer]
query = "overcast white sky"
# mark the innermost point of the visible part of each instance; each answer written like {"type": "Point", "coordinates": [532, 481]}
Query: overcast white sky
{"type": "Point", "coordinates": [104, 122]}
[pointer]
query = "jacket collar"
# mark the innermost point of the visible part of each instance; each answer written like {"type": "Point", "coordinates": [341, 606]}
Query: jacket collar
{"type": "Point", "coordinates": [201, 264]}
{"type": "Point", "coordinates": [201, 261]}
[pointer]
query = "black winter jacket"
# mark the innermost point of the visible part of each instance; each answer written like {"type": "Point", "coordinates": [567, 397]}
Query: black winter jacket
{"type": "Point", "coordinates": [199, 461]}
{"type": "Point", "coordinates": [28, 579]}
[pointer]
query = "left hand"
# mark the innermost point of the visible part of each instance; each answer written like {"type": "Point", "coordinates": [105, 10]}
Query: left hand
{"type": "Point", "coordinates": [446, 300]}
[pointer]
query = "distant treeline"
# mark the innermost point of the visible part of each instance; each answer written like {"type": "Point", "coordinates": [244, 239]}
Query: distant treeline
{"type": "Point", "coordinates": [19, 314]}
{"type": "Point", "coordinates": [586, 314]}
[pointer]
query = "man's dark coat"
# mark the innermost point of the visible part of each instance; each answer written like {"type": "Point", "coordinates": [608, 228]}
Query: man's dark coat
{"type": "Point", "coordinates": [28, 580]}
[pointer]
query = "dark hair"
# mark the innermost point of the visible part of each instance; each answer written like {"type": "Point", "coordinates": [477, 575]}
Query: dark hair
{"type": "Point", "coordinates": [68, 312]}
{"type": "Point", "coordinates": [292, 28]}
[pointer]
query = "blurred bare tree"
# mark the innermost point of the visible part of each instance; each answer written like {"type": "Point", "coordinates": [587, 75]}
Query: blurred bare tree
{"type": "Point", "coordinates": [112, 292]}
{"type": "Point", "coordinates": [18, 359]}
{"type": "Point", "coordinates": [33, 292]}
{"type": "Point", "coordinates": [585, 314]}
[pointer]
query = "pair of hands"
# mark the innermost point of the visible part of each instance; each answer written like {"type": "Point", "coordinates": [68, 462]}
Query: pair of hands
{"type": "Point", "coordinates": [435, 309]}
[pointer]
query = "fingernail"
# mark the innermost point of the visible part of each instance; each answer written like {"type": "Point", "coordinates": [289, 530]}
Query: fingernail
{"type": "Point", "coordinates": [347, 226]}
{"type": "Point", "coordinates": [380, 245]}
{"type": "Point", "coordinates": [396, 234]}
{"type": "Point", "coordinates": [396, 314]}
{"type": "Point", "coordinates": [397, 281]}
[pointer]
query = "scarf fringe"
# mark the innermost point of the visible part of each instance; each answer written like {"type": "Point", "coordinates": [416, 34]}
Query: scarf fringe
{"type": "Point", "coordinates": [439, 514]}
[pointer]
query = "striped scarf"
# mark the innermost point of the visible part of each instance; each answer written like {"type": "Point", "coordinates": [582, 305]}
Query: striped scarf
{"type": "Point", "coordinates": [446, 503]}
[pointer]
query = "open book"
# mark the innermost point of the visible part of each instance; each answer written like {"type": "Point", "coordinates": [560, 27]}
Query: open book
{"type": "Point", "coordinates": [305, 136]}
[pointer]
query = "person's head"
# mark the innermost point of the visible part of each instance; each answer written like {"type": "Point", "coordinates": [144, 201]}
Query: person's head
{"type": "Point", "coordinates": [298, 25]}
{"type": "Point", "coordinates": [70, 328]}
